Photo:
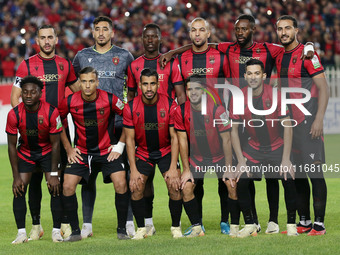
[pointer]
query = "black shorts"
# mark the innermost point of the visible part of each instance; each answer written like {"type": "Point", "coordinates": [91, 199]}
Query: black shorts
{"type": "Point", "coordinates": [307, 150]}
{"type": "Point", "coordinates": [200, 169]}
{"type": "Point", "coordinates": [97, 163]}
{"type": "Point", "coordinates": [29, 165]}
{"type": "Point", "coordinates": [259, 162]}
{"type": "Point", "coordinates": [147, 166]}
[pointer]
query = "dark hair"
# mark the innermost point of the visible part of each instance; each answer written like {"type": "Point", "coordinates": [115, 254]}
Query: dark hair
{"type": "Point", "coordinates": [103, 18]}
{"type": "Point", "coordinates": [248, 17]}
{"type": "Point", "coordinates": [31, 79]}
{"type": "Point", "coordinates": [88, 69]}
{"type": "Point", "coordinates": [253, 62]}
{"type": "Point", "coordinates": [46, 26]}
{"type": "Point", "coordinates": [152, 26]}
{"type": "Point", "coordinates": [194, 78]}
{"type": "Point", "coordinates": [148, 72]}
{"type": "Point", "coordinates": [288, 17]}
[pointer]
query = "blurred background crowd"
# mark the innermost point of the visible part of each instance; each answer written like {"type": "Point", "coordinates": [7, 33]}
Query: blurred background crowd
{"type": "Point", "coordinates": [319, 22]}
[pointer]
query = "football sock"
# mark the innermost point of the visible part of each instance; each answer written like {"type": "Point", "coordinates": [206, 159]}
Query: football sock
{"type": "Point", "coordinates": [244, 199]}
{"type": "Point", "coordinates": [273, 192]}
{"type": "Point", "coordinates": [319, 226]}
{"type": "Point", "coordinates": [71, 210]}
{"type": "Point", "coordinates": [122, 203]}
{"type": "Point", "coordinates": [34, 197]}
{"type": "Point", "coordinates": [223, 193]}
{"type": "Point", "coordinates": [57, 210]}
{"type": "Point", "coordinates": [138, 209]}
{"type": "Point", "coordinates": [129, 214]}
{"type": "Point", "coordinates": [252, 196]}
{"type": "Point", "coordinates": [148, 206]}
{"type": "Point", "coordinates": [191, 209]}
{"type": "Point", "coordinates": [234, 209]}
{"type": "Point", "coordinates": [303, 197]}
{"type": "Point", "coordinates": [20, 209]}
{"type": "Point", "coordinates": [199, 193]}
{"type": "Point", "coordinates": [290, 200]}
{"type": "Point", "coordinates": [148, 221]}
{"type": "Point", "coordinates": [175, 207]}
{"type": "Point", "coordinates": [319, 198]}
{"type": "Point", "coordinates": [88, 196]}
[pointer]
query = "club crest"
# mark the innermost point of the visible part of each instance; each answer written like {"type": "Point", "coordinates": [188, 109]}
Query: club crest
{"type": "Point", "coordinates": [162, 113]}
{"type": "Point", "coordinates": [212, 59]}
{"type": "Point", "coordinates": [41, 119]}
{"type": "Point", "coordinates": [61, 66]}
{"type": "Point", "coordinates": [115, 60]}
{"type": "Point", "coordinates": [101, 111]}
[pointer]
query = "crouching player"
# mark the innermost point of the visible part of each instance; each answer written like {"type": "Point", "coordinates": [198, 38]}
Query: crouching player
{"type": "Point", "coordinates": [209, 146]}
{"type": "Point", "coordinates": [92, 110]}
{"type": "Point", "coordinates": [265, 147]}
{"type": "Point", "coordinates": [39, 126]}
{"type": "Point", "coordinates": [148, 124]}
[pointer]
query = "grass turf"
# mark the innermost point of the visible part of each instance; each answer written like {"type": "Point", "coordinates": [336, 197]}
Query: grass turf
{"type": "Point", "coordinates": [104, 240]}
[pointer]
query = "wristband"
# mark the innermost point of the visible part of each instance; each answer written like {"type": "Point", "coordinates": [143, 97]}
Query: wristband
{"type": "Point", "coordinates": [119, 147]}
{"type": "Point", "coordinates": [308, 48]}
{"type": "Point", "coordinates": [54, 173]}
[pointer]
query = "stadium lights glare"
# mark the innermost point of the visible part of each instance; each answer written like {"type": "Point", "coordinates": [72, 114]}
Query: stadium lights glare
{"type": "Point", "coordinates": [23, 41]}
{"type": "Point", "coordinates": [127, 14]}
{"type": "Point", "coordinates": [188, 5]}
{"type": "Point", "coordinates": [23, 31]}
{"type": "Point", "coordinates": [169, 9]}
{"type": "Point", "coordinates": [269, 12]}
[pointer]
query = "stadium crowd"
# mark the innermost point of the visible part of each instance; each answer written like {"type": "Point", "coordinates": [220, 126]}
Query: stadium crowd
{"type": "Point", "coordinates": [319, 22]}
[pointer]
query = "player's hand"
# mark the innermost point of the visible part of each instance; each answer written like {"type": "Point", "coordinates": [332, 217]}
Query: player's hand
{"type": "Point", "coordinates": [18, 187]}
{"type": "Point", "coordinates": [317, 128]}
{"type": "Point", "coordinates": [113, 155]}
{"type": "Point", "coordinates": [53, 185]}
{"type": "Point", "coordinates": [165, 58]}
{"type": "Point", "coordinates": [240, 169]}
{"type": "Point", "coordinates": [136, 179]}
{"type": "Point", "coordinates": [185, 177]}
{"type": "Point", "coordinates": [287, 168]}
{"type": "Point", "coordinates": [172, 178]}
{"type": "Point", "coordinates": [310, 54]}
{"type": "Point", "coordinates": [229, 177]}
{"type": "Point", "coordinates": [74, 155]}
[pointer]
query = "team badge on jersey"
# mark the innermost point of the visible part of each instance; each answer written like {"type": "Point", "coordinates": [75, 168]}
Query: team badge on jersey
{"type": "Point", "coordinates": [294, 59]}
{"type": "Point", "coordinates": [268, 102]}
{"type": "Point", "coordinates": [212, 59]}
{"type": "Point", "coordinates": [61, 66]}
{"type": "Point", "coordinates": [258, 50]}
{"type": "Point", "coordinates": [162, 113]}
{"type": "Point", "coordinates": [115, 60]}
{"type": "Point", "coordinates": [41, 119]}
{"type": "Point", "coordinates": [101, 111]}
{"type": "Point", "coordinates": [206, 118]}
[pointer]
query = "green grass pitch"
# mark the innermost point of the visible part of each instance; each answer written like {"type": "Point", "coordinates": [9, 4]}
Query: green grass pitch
{"type": "Point", "coordinates": [104, 240]}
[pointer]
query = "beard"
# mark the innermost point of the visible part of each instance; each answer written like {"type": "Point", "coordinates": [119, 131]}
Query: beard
{"type": "Point", "coordinates": [200, 44]}
{"type": "Point", "coordinates": [246, 40]}
{"type": "Point", "coordinates": [49, 52]}
{"type": "Point", "coordinates": [288, 42]}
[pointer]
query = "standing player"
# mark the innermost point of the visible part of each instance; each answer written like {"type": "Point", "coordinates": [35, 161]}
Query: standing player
{"type": "Point", "coordinates": [56, 73]}
{"type": "Point", "coordinates": [265, 147]}
{"type": "Point", "coordinates": [209, 146]}
{"type": "Point", "coordinates": [308, 134]}
{"type": "Point", "coordinates": [148, 124]}
{"type": "Point", "coordinates": [111, 62]}
{"type": "Point", "coordinates": [39, 127]}
{"type": "Point", "coordinates": [91, 110]}
{"type": "Point", "coordinates": [170, 84]}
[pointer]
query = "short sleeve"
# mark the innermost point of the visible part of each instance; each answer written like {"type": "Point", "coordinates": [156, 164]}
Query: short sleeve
{"type": "Point", "coordinates": [172, 112]}
{"type": "Point", "coordinates": [222, 47]}
{"type": "Point", "coordinates": [127, 116]}
{"type": "Point", "coordinates": [64, 107]}
{"type": "Point", "coordinates": [71, 77]}
{"type": "Point", "coordinates": [222, 115]}
{"type": "Point", "coordinates": [178, 119]}
{"type": "Point", "coordinates": [275, 49]}
{"type": "Point", "coordinates": [76, 63]}
{"type": "Point", "coordinates": [176, 76]}
{"type": "Point", "coordinates": [313, 66]}
{"type": "Point", "coordinates": [117, 105]}
{"type": "Point", "coordinates": [131, 81]}
{"type": "Point", "coordinates": [12, 123]}
{"type": "Point", "coordinates": [55, 122]}
{"type": "Point", "coordinates": [21, 73]}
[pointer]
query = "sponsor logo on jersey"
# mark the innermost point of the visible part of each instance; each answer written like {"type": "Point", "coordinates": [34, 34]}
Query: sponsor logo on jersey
{"type": "Point", "coordinates": [202, 71]}
{"type": "Point", "coordinates": [51, 77]}
{"type": "Point", "coordinates": [115, 60]}
{"type": "Point", "coordinates": [243, 59]}
{"type": "Point", "coordinates": [120, 104]}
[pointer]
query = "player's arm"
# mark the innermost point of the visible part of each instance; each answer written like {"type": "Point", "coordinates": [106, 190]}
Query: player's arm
{"type": "Point", "coordinates": [226, 143]}
{"type": "Point", "coordinates": [117, 149]}
{"type": "Point", "coordinates": [15, 95]}
{"type": "Point", "coordinates": [18, 186]}
{"type": "Point", "coordinates": [74, 87]}
{"type": "Point", "coordinates": [53, 181]}
{"type": "Point", "coordinates": [73, 154]}
{"type": "Point", "coordinates": [184, 152]}
{"type": "Point", "coordinates": [286, 164]}
{"type": "Point", "coordinates": [235, 141]}
{"type": "Point", "coordinates": [130, 95]}
{"type": "Point", "coordinates": [317, 126]}
{"type": "Point", "coordinates": [172, 173]}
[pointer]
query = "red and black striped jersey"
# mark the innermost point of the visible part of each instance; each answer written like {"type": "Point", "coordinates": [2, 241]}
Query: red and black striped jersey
{"type": "Point", "coordinates": [91, 120]}
{"type": "Point", "coordinates": [238, 57]}
{"type": "Point", "coordinates": [205, 139]}
{"type": "Point", "coordinates": [264, 130]}
{"type": "Point", "coordinates": [151, 124]}
{"type": "Point", "coordinates": [56, 73]}
{"type": "Point", "coordinates": [298, 73]}
{"type": "Point", "coordinates": [211, 64]}
{"type": "Point", "coordinates": [168, 77]}
{"type": "Point", "coordinates": [182, 118]}
{"type": "Point", "coordinates": [34, 128]}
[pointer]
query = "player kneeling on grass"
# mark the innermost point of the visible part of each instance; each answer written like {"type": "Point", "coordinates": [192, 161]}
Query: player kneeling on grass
{"type": "Point", "coordinates": [149, 125]}
{"type": "Point", "coordinates": [266, 148]}
{"type": "Point", "coordinates": [92, 110]}
{"type": "Point", "coordinates": [39, 126]}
